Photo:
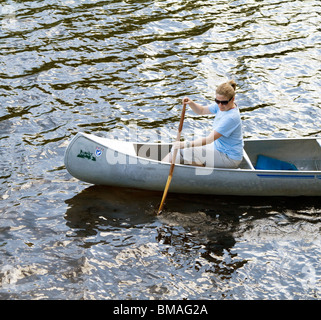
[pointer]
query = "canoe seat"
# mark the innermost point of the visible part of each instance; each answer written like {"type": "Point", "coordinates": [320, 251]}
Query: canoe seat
{"type": "Point", "coordinates": [247, 161]}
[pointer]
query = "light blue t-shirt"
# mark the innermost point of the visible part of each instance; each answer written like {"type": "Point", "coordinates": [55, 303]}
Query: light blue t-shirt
{"type": "Point", "coordinates": [228, 124]}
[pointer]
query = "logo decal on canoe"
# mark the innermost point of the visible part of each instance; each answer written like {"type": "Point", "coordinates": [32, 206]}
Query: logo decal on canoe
{"type": "Point", "coordinates": [86, 155]}
{"type": "Point", "coordinates": [99, 151]}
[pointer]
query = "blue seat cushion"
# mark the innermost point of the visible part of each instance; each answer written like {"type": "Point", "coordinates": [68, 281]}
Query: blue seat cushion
{"type": "Point", "coordinates": [267, 163]}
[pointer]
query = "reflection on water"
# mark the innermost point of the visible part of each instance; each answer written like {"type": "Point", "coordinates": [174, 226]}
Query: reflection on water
{"type": "Point", "coordinates": [100, 66]}
{"type": "Point", "coordinates": [212, 239]}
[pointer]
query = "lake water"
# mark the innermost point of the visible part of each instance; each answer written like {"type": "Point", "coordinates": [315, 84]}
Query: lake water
{"type": "Point", "coordinates": [104, 67]}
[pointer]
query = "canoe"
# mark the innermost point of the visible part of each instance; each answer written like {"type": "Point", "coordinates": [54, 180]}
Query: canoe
{"type": "Point", "coordinates": [270, 167]}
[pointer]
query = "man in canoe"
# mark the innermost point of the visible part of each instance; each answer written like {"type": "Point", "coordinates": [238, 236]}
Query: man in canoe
{"type": "Point", "coordinates": [223, 147]}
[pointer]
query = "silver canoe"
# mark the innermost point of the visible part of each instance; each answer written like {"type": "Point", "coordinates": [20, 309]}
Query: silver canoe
{"type": "Point", "coordinates": [103, 161]}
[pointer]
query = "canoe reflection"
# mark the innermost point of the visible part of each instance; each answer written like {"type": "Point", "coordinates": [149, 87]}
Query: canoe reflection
{"type": "Point", "coordinates": [197, 234]}
{"type": "Point", "coordinates": [217, 220]}
{"type": "Point", "coordinates": [99, 206]}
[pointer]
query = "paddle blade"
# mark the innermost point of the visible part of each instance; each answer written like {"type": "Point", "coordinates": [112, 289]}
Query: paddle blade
{"type": "Point", "coordinates": [169, 179]}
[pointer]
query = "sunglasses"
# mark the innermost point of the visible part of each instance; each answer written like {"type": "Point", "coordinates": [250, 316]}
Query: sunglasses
{"type": "Point", "coordinates": [224, 102]}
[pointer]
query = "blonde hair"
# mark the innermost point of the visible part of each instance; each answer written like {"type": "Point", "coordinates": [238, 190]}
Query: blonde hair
{"type": "Point", "coordinates": [227, 89]}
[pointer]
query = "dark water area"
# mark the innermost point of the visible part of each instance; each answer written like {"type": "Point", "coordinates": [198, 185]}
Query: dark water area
{"type": "Point", "coordinates": [120, 69]}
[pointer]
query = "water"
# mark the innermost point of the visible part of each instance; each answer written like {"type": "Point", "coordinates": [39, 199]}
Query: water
{"type": "Point", "coordinates": [103, 67]}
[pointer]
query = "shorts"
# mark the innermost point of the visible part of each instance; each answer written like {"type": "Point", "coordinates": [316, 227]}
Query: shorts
{"type": "Point", "coordinates": [206, 156]}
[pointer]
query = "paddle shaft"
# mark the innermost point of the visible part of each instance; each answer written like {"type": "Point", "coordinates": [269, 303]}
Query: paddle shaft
{"type": "Point", "coordinates": [171, 170]}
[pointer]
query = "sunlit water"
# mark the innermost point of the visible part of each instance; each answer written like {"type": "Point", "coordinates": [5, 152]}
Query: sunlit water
{"type": "Point", "coordinates": [120, 69]}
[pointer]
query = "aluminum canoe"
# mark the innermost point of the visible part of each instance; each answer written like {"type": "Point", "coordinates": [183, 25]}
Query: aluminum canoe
{"type": "Point", "coordinates": [103, 161]}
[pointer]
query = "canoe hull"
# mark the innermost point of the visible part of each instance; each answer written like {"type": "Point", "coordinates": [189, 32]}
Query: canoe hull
{"type": "Point", "coordinates": [93, 160]}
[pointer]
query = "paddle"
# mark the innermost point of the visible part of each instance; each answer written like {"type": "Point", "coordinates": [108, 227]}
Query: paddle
{"type": "Point", "coordinates": [170, 175]}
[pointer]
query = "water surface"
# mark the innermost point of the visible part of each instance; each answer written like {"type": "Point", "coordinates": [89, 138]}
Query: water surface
{"type": "Point", "coordinates": [120, 69]}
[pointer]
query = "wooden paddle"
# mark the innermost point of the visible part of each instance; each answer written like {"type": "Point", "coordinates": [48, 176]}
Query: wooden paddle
{"type": "Point", "coordinates": [171, 170]}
